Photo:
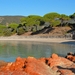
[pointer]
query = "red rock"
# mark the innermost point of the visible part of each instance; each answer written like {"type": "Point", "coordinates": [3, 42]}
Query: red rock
{"type": "Point", "coordinates": [1, 73]}
{"type": "Point", "coordinates": [55, 68]}
{"type": "Point", "coordinates": [18, 64]}
{"type": "Point", "coordinates": [54, 56]}
{"type": "Point", "coordinates": [71, 57]}
{"type": "Point", "coordinates": [54, 60]}
{"type": "Point", "coordinates": [6, 73]}
{"type": "Point", "coordinates": [36, 67]}
{"type": "Point", "coordinates": [30, 59]}
{"type": "Point", "coordinates": [54, 65]}
{"type": "Point", "coordinates": [3, 63]}
{"type": "Point", "coordinates": [30, 66]}
{"type": "Point", "coordinates": [66, 61]}
{"type": "Point", "coordinates": [65, 72]}
{"type": "Point", "coordinates": [17, 72]}
{"type": "Point", "coordinates": [43, 59]}
{"type": "Point", "coordinates": [31, 71]}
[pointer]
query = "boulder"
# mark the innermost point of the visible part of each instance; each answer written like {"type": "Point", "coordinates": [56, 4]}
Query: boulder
{"type": "Point", "coordinates": [71, 57]}
{"type": "Point", "coordinates": [54, 65]}
{"type": "Point", "coordinates": [3, 63]}
{"type": "Point", "coordinates": [27, 66]}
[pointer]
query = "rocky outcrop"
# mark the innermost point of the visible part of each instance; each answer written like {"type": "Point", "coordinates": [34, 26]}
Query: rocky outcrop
{"type": "Point", "coordinates": [27, 66]}
{"type": "Point", "coordinates": [3, 63]}
{"type": "Point", "coordinates": [71, 56]}
{"type": "Point", "coordinates": [54, 65]}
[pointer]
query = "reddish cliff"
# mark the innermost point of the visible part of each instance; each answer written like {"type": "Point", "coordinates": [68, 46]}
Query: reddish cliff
{"type": "Point", "coordinates": [54, 65]}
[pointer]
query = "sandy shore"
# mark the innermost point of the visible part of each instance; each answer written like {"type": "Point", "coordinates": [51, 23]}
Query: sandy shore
{"type": "Point", "coordinates": [54, 40]}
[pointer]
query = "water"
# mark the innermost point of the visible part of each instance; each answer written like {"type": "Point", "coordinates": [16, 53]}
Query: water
{"type": "Point", "coordinates": [10, 50]}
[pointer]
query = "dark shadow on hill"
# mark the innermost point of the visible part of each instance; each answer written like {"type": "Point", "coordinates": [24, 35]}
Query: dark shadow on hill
{"type": "Point", "coordinates": [43, 31]}
{"type": "Point", "coordinates": [70, 31]}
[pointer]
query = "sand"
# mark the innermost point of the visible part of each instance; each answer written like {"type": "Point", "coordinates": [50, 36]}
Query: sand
{"type": "Point", "coordinates": [37, 39]}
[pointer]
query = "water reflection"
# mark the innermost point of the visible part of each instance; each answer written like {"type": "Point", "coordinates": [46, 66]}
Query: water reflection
{"type": "Point", "coordinates": [9, 50]}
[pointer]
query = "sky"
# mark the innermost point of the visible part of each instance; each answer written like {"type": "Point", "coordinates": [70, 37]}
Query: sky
{"type": "Point", "coordinates": [36, 7]}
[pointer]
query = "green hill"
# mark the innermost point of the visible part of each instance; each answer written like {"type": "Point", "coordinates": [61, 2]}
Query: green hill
{"type": "Point", "coordinates": [10, 19]}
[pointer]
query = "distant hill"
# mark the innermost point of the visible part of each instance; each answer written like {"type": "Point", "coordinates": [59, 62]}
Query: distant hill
{"type": "Point", "coordinates": [10, 19]}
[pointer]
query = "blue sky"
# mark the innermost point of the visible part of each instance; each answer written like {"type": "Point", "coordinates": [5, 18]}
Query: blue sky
{"type": "Point", "coordinates": [36, 7]}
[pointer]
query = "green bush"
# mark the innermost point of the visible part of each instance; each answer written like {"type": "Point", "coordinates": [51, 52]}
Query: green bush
{"type": "Point", "coordinates": [55, 23]}
{"type": "Point", "coordinates": [7, 32]}
{"type": "Point", "coordinates": [2, 28]}
{"type": "Point", "coordinates": [20, 31]}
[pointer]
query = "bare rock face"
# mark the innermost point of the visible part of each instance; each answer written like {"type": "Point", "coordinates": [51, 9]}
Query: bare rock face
{"type": "Point", "coordinates": [54, 65]}
{"type": "Point", "coordinates": [55, 60]}
{"type": "Point", "coordinates": [66, 72]}
{"type": "Point", "coordinates": [71, 56]}
{"type": "Point", "coordinates": [27, 66]}
{"type": "Point", "coordinates": [60, 65]}
{"type": "Point", "coordinates": [3, 63]}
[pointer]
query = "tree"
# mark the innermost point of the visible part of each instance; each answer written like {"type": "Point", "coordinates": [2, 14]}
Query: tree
{"type": "Point", "coordinates": [31, 20]}
{"type": "Point", "coordinates": [13, 25]}
{"type": "Point", "coordinates": [7, 32]}
{"type": "Point", "coordinates": [72, 16]}
{"type": "Point", "coordinates": [64, 17]}
{"type": "Point", "coordinates": [20, 31]}
{"type": "Point", "coordinates": [51, 16]}
{"type": "Point", "coordinates": [2, 28]}
{"type": "Point", "coordinates": [55, 23]}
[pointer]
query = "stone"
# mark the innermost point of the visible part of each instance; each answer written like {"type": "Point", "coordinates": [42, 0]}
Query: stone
{"type": "Point", "coordinates": [71, 57]}
{"type": "Point", "coordinates": [28, 66]}
{"type": "Point", "coordinates": [65, 72]}
{"type": "Point", "coordinates": [3, 63]}
{"type": "Point", "coordinates": [54, 56]}
{"type": "Point", "coordinates": [54, 65]}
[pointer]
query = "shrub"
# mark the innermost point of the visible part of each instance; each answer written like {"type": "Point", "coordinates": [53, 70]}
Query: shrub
{"type": "Point", "coordinates": [20, 31]}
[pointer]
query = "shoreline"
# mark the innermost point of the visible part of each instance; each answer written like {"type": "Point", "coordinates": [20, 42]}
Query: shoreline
{"type": "Point", "coordinates": [36, 39]}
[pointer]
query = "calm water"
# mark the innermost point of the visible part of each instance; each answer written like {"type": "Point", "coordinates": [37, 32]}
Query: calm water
{"type": "Point", "coordinates": [9, 50]}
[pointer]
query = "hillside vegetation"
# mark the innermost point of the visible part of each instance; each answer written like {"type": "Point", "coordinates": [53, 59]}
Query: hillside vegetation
{"type": "Point", "coordinates": [10, 19]}
{"type": "Point", "coordinates": [35, 24]}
